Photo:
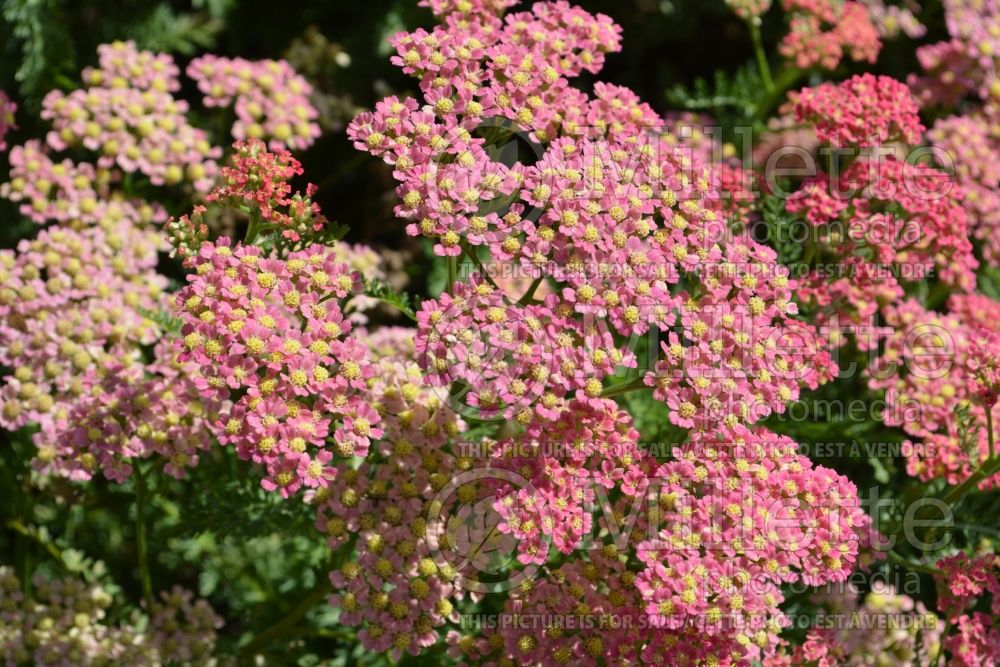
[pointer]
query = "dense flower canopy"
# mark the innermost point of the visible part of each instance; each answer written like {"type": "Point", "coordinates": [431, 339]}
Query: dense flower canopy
{"type": "Point", "coordinates": [587, 445]}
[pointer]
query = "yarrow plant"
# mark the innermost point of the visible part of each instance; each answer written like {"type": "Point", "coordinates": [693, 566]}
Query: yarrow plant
{"type": "Point", "coordinates": [587, 446]}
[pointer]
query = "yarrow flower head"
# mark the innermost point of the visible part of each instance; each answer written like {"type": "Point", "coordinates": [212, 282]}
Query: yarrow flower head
{"type": "Point", "coordinates": [888, 213]}
{"type": "Point", "coordinates": [69, 303]}
{"type": "Point", "coordinates": [269, 335]}
{"type": "Point", "coordinates": [976, 24]}
{"type": "Point", "coordinates": [975, 642]}
{"type": "Point", "coordinates": [964, 579]}
{"type": "Point", "coordinates": [271, 100]}
{"type": "Point", "coordinates": [130, 411]}
{"type": "Point", "coordinates": [893, 19]}
{"type": "Point", "coordinates": [71, 194]}
{"type": "Point", "coordinates": [822, 32]}
{"type": "Point", "coordinates": [514, 360]}
{"type": "Point", "coordinates": [591, 445]}
{"type": "Point", "coordinates": [705, 577]}
{"type": "Point", "coordinates": [66, 622]}
{"type": "Point", "coordinates": [972, 146]}
{"type": "Point", "coordinates": [257, 182]}
{"type": "Point", "coordinates": [395, 588]}
{"type": "Point", "coordinates": [130, 118]}
{"type": "Point", "coordinates": [188, 233]}
{"type": "Point", "coordinates": [749, 9]}
{"type": "Point", "coordinates": [934, 368]}
{"type": "Point", "coordinates": [866, 110]}
{"type": "Point", "coordinates": [883, 623]}
{"type": "Point", "coordinates": [468, 8]}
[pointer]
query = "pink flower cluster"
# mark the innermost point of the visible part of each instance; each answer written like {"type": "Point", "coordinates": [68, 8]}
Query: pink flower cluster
{"type": "Point", "coordinates": [963, 580]}
{"type": "Point", "coordinates": [130, 411]}
{"type": "Point", "coordinates": [512, 360]}
{"type": "Point", "coordinates": [976, 641]}
{"type": "Point", "coordinates": [68, 193]}
{"type": "Point", "coordinates": [977, 25]}
{"type": "Point", "coordinates": [394, 588]}
{"type": "Point", "coordinates": [620, 217]}
{"type": "Point", "coordinates": [972, 147]}
{"type": "Point", "coordinates": [270, 99]}
{"type": "Point", "coordinates": [749, 9]}
{"type": "Point", "coordinates": [707, 585]}
{"type": "Point", "coordinates": [807, 526]}
{"type": "Point", "coordinates": [950, 74]}
{"type": "Point", "coordinates": [468, 8]}
{"type": "Point", "coordinates": [570, 618]}
{"type": "Point", "coordinates": [129, 116]}
{"type": "Point", "coordinates": [866, 110]}
{"type": "Point", "coordinates": [269, 335]}
{"type": "Point", "coordinates": [893, 19]}
{"type": "Point", "coordinates": [886, 221]}
{"type": "Point", "coordinates": [737, 354]}
{"type": "Point", "coordinates": [822, 32]}
{"type": "Point", "coordinates": [590, 445]}
{"type": "Point", "coordinates": [66, 622]}
{"type": "Point", "coordinates": [7, 111]}
{"type": "Point", "coordinates": [69, 303]}
{"type": "Point", "coordinates": [927, 370]}
{"type": "Point", "coordinates": [516, 69]}
{"type": "Point", "coordinates": [852, 630]}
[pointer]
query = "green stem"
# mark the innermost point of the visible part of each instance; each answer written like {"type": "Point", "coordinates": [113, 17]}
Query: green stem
{"type": "Point", "coordinates": [910, 565]}
{"type": "Point", "coordinates": [288, 622]}
{"type": "Point", "coordinates": [758, 49]}
{"type": "Point", "coordinates": [474, 256]}
{"type": "Point", "coordinates": [253, 228]}
{"type": "Point", "coordinates": [32, 533]}
{"type": "Point", "coordinates": [786, 80]}
{"type": "Point", "coordinates": [140, 538]}
{"type": "Point", "coordinates": [452, 272]}
{"type": "Point", "coordinates": [625, 387]}
{"type": "Point", "coordinates": [532, 288]}
{"type": "Point", "coordinates": [988, 468]}
{"type": "Point", "coordinates": [989, 429]}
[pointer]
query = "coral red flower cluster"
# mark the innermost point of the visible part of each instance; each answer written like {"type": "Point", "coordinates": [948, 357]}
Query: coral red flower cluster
{"type": "Point", "coordinates": [864, 111]}
{"type": "Point", "coordinates": [823, 32]}
{"type": "Point", "coordinates": [257, 182]}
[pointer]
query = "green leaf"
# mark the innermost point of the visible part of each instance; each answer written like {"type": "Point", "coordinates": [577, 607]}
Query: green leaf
{"type": "Point", "coordinates": [166, 321]}
{"type": "Point", "coordinates": [401, 301]}
{"type": "Point", "coordinates": [166, 31]}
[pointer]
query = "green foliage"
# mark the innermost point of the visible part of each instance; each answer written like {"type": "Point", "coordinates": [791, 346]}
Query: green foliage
{"type": "Point", "coordinates": [652, 418]}
{"type": "Point", "coordinates": [170, 324]}
{"type": "Point", "coordinates": [989, 281]}
{"type": "Point", "coordinates": [46, 46]}
{"type": "Point", "coordinates": [167, 31]}
{"type": "Point", "coordinates": [401, 301]}
{"type": "Point", "coordinates": [53, 51]}
{"type": "Point", "coordinates": [733, 99]}
{"type": "Point", "coordinates": [781, 230]}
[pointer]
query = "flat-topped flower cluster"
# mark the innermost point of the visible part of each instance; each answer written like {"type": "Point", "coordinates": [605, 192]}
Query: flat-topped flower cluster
{"type": "Point", "coordinates": [493, 442]}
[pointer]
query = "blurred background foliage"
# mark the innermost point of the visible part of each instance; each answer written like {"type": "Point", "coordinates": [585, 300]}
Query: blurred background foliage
{"type": "Point", "coordinates": [255, 556]}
